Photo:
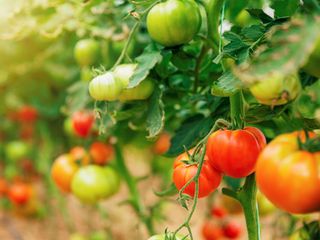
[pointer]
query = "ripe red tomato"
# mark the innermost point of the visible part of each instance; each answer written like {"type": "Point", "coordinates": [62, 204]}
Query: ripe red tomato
{"type": "Point", "coordinates": [20, 193]}
{"type": "Point", "coordinates": [235, 153]}
{"type": "Point", "coordinates": [162, 144]}
{"type": "Point", "coordinates": [80, 154]}
{"type": "Point", "coordinates": [209, 178]}
{"type": "Point", "coordinates": [82, 122]}
{"type": "Point", "coordinates": [219, 212]}
{"type": "Point", "coordinates": [211, 231]}
{"type": "Point", "coordinates": [288, 176]}
{"type": "Point", "coordinates": [101, 153]}
{"type": "Point", "coordinates": [63, 170]}
{"type": "Point", "coordinates": [27, 114]}
{"type": "Point", "coordinates": [232, 230]}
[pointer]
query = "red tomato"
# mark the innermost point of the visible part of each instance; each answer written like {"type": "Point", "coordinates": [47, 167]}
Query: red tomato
{"type": "Point", "coordinates": [82, 122]}
{"type": "Point", "coordinates": [63, 170]}
{"type": "Point", "coordinates": [27, 114]}
{"type": "Point", "coordinates": [232, 230]}
{"type": "Point", "coordinates": [289, 176]}
{"type": "Point", "coordinates": [209, 178]}
{"type": "Point", "coordinates": [101, 152]}
{"type": "Point", "coordinates": [80, 154]}
{"type": "Point", "coordinates": [210, 231]}
{"type": "Point", "coordinates": [219, 212]}
{"type": "Point", "coordinates": [20, 193]}
{"type": "Point", "coordinates": [235, 153]}
{"type": "Point", "coordinates": [162, 145]}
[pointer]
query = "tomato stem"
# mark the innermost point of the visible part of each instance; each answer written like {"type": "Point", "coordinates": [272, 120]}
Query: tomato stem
{"type": "Point", "coordinates": [135, 199]}
{"type": "Point", "coordinates": [247, 196]}
{"type": "Point", "coordinates": [237, 110]}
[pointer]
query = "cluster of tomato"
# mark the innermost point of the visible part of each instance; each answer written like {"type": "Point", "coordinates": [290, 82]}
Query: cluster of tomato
{"type": "Point", "coordinates": [85, 174]}
{"type": "Point", "coordinates": [219, 226]}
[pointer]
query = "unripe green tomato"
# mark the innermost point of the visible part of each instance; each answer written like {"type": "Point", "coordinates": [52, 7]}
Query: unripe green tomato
{"type": "Point", "coordinates": [86, 74]}
{"type": "Point", "coordinates": [105, 87]}
{"type": "Point", "coordinates": [312, 66]}
{"type": "Point", "coordinates": [86, 52]}
{"type": "Point", "coordinates": [140, 92]}
{"type": "Point", "coordinates": [174, 22]}
{"type": "Point", "coordinates": [123, 73]}
{"type": "Point", "coordinates": [162, 237]}
{"type": "Point", "coordinates": [92, 183]}
{"type": "Point", "coordinates": [16, 149]}
{"type": "Point", "coordinates": [68, 128]}
{"type": "Point", "coordinates": [276, 90]}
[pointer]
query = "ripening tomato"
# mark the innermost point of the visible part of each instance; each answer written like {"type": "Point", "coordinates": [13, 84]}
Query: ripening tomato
{"type": "Point", "coordinates": [289, 176]}
{"type": "Point", "coordinates": [93, 183]}
{"type": "Point", "coordinates": [276, 90]}
{"type": "Point", "coordinates": [82, 122]}
{"type": "Point", "coordinates": [27, 114]}
{"type": "Point", "coordinates": [20, 193]}
{"type": "Point", "coordinates": [162, 144]}
{"type": "Point", "coordinates": [211, 231]}
{"type": "Point", "coordinates": [80, 154]}
{"type": "Point", "coordinates": [68, 128]}
{"type": "Point", "coordinates": [209, 178]}
{"type": "Point", "coordinates": [312, 66]}
{"type": "Point", "coordinates": [101, 153]}
{"type": "Point", "coordinates": [105, 87]}
{"type": "Point", "coordinates": [235, 153]}
{"type": "Point", "coordinates": [174, 22]}
{"type": "Point", "coordinates": [63, 170]}
{"type": "Point", "coordinates": [232, 230]}
{"type": "Point", "coordinates": [86, 52]}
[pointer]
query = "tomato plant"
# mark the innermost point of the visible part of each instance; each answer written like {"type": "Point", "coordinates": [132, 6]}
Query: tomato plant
{"type": "Point", "coordinates": [235, 153]}
{"type": "Point", "coordinates": [174, 22]}
{"type": "Point", "coordinates": [183, 172]}
{"type": "Point", "coordinates": [285, 169]}
{"type": "Point", "coordinates": [82, 122]}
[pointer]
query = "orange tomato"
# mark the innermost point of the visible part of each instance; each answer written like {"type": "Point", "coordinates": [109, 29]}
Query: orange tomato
{"type": "Point", "coordinates": [289, 176]}
{"type": "Point", "coordinates": [20, 193]}
{"type": "Point", "coordinates": [80, 154]}
{"type": "Point", "coordinates": [162, 145]}
{"type": "Point", "coordinates": [101, 153]}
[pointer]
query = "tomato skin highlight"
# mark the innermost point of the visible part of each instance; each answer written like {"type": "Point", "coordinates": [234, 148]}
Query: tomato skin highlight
{"type": "Point", "coordinates": [63, 170]}
{"type": "Point", "coordinates": [174, 22]}
{"type": "Point", "coordinates": [209, 179]}
{"type": "Point", "coordinates": [82, 122]}
{"type": "Point", "coordinates": [235, 153]}
{"type": "Point", "coordinates": [289, 177]}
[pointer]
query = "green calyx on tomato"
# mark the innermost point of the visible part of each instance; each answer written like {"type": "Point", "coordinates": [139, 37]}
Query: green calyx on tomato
{"type": "Point", "coordinates": [277, 89]}
{"type": "Point", "coordinates": [105, 87]}
{"type": "Point", "coordinates": [93, 183]}
{"type": "Point", "coordinates": [312, 66]}
{"type": "Point", "coordinates": [174, 22]}
{"type": "Point", "coordinates": [86, 52]}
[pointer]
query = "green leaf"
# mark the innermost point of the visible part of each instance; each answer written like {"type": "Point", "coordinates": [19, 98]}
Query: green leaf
{"type": "Point", "coordinates": [260, 14]}
{"type": "Point", "coordinates": [190, 132]}
{"type": "Point", "coordinates": [284, 7]}
{"type": "Point", "coordinates": [155, 115]}
{"type": "Point", "coordinates": [287, 49]}
{"type": "Point", "coordinates": [258, 113]}
{"type": "Point", "coordinates": [226, 85]}
{"type": "Point", "coordinates": [146, 61]}
{"type": "Point", "coordinates": [165, 67]}
{"type": "Point", "coordinates": [78, 96]}
{"type": "Point", "coordinates": [235, 42]}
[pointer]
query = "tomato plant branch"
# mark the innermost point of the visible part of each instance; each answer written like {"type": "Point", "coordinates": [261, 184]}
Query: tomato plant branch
{"type": "Point", "coordinates": [237, 110]}
{"type": "Point", "coordinates": [247, 196]}
{"type": "Point", "coordinates": [202, 54]}
{"type": "Point", "coordinates": [135, 200]}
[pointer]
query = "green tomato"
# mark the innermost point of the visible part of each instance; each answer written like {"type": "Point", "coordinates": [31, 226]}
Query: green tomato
{"type": "Point", "coordinates": [174, 22]}
{"type": "Point", "coordinates": [86, 74]}
{"type": "Point", "coordinates": [86, 52]}
{"type": "Point", "coordinates": [123, 73]}
{"type": "Point", "coordinates": [276, 90]}
{"type": "Point", "coordinates": [312, 66]}
{"type": "Point", "coordinates": [68, 128]}
{"type": "Point", "coordinates": [77, 236]}
{"type": "Point", "coordinates": [16, 150]}
{"type": "Point", "coordinates": [93, 183]}
{"type": "Point", "coordinates": [162, 237]}
{"type": "Point", "coordinates": [140, 92]}
{"type": "Point", "coordinates": [105, 87]}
